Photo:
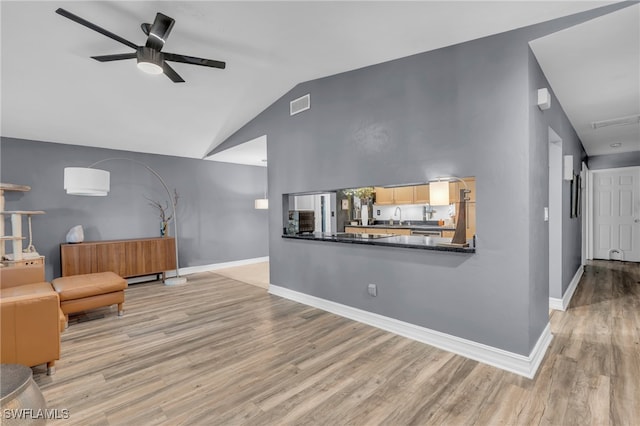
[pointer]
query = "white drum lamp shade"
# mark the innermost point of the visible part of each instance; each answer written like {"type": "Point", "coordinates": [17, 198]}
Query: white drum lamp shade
{"type": "Point", "coordinates": [439, 193]}
{"type": "Point", "coordinates": [86, 181]}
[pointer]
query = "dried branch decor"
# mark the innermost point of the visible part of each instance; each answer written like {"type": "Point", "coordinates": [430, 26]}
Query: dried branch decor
{"type": "Point", "coordinates": [164, 210]}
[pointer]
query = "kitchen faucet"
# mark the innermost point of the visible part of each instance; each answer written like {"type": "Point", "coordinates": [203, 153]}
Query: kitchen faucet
{"type": "Point", "coordinates": [398, 209]}
{"type": "Point", "coordinates": [427, 212]}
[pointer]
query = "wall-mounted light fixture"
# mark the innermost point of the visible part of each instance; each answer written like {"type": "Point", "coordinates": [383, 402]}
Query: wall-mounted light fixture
{"type": "Point", "coordinates": [568, 167]}
{"type": "Point", "coordinates": [262, 203]}
{"type": "Point", "coordinates": [544, 99]}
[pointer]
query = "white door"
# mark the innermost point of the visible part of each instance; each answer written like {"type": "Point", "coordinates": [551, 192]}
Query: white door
{"type": "Point", "coordinates": [616, 214]}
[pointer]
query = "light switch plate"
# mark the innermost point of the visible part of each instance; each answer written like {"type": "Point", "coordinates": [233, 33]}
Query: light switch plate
{"type": "Point", "coordinates": [372, 289]}
{"type": "Point", "coordinates": [546, 214]}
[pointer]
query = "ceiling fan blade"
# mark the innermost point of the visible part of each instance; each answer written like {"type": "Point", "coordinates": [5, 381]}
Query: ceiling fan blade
{"type": "Point", "coordinates": [159, 31]}
{"type": "Point", "coordinates": [194, 61]}
{"type": "Point", "coordinates": [94, 27]}
{"type": "Point", "coordinates": [171, 73]}
{"type": "Point", "coordinates": [116, 57]}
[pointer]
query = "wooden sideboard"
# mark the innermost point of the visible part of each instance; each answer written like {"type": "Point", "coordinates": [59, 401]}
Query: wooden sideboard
{"type": "Point", "coordinates": [127, 258]}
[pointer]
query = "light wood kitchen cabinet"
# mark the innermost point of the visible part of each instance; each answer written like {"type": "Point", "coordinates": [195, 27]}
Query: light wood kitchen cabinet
{"type": "Point", "coordinates": [355, 230]}
{"type": "Point", "coordinates": [377, 231]}
{"type": "Point", "coordinates": [403, 195]}
{"type": "Point", "coordinates": [383, 231]}
{"type": "Point", "coordinates": [384, 195]}
{"type": "Point", "coordinates": [399, 195]}
{"type": "Point", "coordinates": [394, 231]}
{"type": "Point", "coordinates": [421, 194]}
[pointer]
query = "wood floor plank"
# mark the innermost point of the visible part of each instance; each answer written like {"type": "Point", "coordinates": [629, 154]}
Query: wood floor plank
{"type": "Point", "coordinates": [504, 407]}
{"type": "Point", "coordinates": [221, 352]}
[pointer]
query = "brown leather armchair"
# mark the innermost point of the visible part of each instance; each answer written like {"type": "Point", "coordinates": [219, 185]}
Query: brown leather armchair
{"type": "Point", "coordinates": [30, 318]}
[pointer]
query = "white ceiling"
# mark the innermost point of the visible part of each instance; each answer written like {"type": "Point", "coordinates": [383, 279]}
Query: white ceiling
{"type": "Point", "coordinates": [251, 153]}
{"type": "Point", "coordinates": [53, 91]}
{"type": "Point", "coordinates": [594, 69]}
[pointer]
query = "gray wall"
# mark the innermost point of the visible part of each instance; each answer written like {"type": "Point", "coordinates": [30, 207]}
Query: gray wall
{"type": "Point", "coordinates": [454, 111]}
{"type": "Point", "coordinates": [611, 161]}
{"type": "Point", "coordinates": [571, 145]}
{"type": "Point", "coordinates": [217, 221]}
{"type": "Point", "coordinates": [465, 110]}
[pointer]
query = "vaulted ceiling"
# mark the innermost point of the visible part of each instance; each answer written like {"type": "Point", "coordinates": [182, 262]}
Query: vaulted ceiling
{"type": "Point", "coordinates": [53, 91]}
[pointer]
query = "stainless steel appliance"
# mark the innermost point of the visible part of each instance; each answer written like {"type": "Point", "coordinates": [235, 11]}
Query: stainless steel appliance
{"type": "Point", "coordinates": [301, 221]}
{"type": "Point", "coordinates": [427, 232]}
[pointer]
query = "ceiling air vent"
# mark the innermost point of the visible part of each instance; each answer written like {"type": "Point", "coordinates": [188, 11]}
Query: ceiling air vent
{"type": "Point", "coordinates": [300, 104]}
{"type": "Point", "coordinates": [621, 121]}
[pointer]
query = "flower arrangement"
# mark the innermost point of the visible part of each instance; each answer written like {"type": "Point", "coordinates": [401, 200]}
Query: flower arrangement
{"type": "Point", "coordinates": [365, 193]}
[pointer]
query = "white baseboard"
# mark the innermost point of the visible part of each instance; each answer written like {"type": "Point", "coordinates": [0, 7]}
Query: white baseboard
{"type": "Point", "coordinates": [562, 304]}
{"type": "Point", "coordinates": [215, 266]}
{"type": "Point", "coordinates": [519, 364]}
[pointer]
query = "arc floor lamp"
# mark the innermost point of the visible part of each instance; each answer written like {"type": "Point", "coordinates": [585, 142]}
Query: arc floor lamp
{"type": "Point", "coordinates": [92, 182]}
{"type": "Point", "coordinates": [439, 196]}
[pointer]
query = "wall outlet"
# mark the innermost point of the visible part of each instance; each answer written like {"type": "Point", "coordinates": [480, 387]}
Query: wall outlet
{"type": "Point", "coordinates": [372, 289]}
{"type": "Point", "coordinates": [546, 214]}
{"type": "Point", "coordinates": [378, 212]}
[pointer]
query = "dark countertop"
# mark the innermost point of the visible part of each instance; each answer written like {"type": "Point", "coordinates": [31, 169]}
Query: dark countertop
{"type": "Point", "coordinates": [404, 241]}
{"type": "Point", "coordinates": [406, 226]}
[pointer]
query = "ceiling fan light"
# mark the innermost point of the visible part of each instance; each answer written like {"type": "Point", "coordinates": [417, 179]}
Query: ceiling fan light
{"type": "Point", "coordinates": [150, 67]}
{"type": "Point", "coordinates": [150, 60]}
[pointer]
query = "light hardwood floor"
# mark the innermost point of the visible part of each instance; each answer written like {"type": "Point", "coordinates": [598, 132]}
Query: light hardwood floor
{"type": "Point", "coordinates": [255, 274]}
{"type": "Point", "coordinates": [219, 351]}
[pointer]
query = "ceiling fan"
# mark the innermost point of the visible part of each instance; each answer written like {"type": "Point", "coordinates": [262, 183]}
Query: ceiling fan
{"type": "Point", "coordinates": [150, 58]}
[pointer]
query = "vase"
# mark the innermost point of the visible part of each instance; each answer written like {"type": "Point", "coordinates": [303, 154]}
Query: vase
{"type": "Point", "coordinates": [365, 214]}
{"type": "Point", "coordinates": [163, 229]}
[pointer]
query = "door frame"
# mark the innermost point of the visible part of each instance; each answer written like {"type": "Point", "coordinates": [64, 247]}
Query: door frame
{"type": "Point", "coordinates": [587, 205]}
{"type": "Point", "coordinates": [555, 183]}
{"type": "Point", "coordinates": [590, 197]}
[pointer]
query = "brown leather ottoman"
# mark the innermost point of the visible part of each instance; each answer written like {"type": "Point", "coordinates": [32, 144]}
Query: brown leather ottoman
{"type": "Point", "coordinates": [83, 292]}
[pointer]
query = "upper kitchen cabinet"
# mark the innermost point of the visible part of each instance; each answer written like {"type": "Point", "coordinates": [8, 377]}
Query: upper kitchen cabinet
{"type": "Point", "coordinates": [421, 194]}
{"type": "Point", "coordinates": [384, 195]}
{"type": "Point", "coordinates": [403, 195]}
{"type": "Point", "coordinates": [397, 195]}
